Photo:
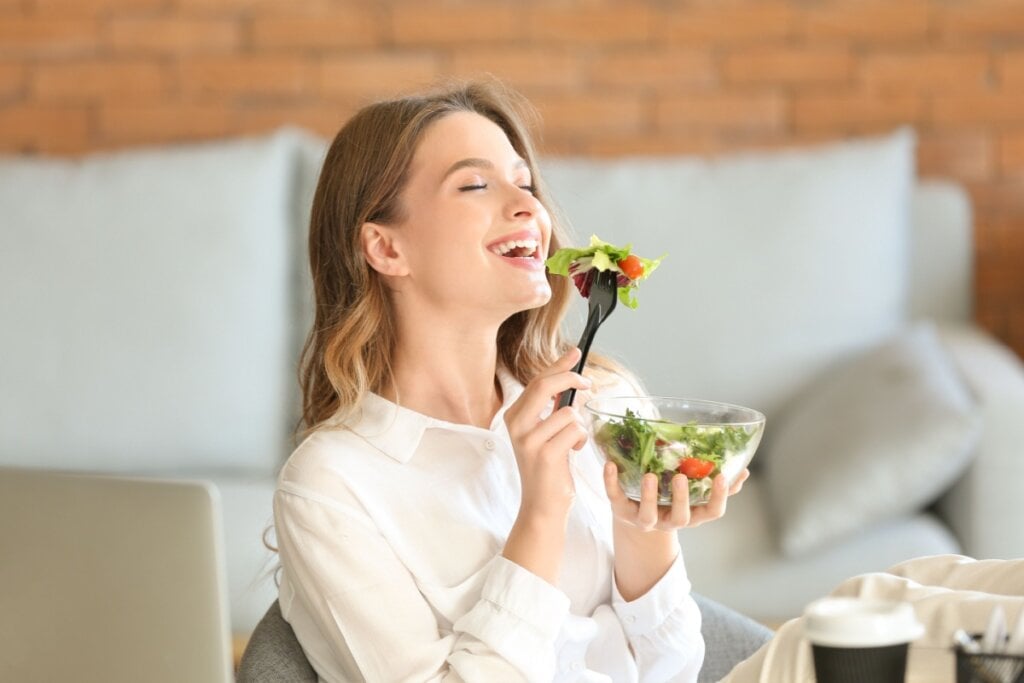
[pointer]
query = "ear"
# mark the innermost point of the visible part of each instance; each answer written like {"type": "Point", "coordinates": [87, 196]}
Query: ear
{"type": "Point", "coordinates": [381, 250]}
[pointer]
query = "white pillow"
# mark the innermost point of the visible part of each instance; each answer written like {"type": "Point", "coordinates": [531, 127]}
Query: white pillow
{"type": "Point", "coordinates": [877, 438]}
{"type": "Point", "coordinates": [146, 303]}
{"type": "Point", "coordinates": [778, 262]}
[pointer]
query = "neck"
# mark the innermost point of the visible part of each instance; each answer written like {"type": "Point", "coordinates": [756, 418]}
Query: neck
{"type": "Point", "coordinates": [447, 372]}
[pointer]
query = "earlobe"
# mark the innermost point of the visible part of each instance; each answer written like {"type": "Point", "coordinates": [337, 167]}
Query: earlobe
{"type": "Point", "coordinates": [381, 250]}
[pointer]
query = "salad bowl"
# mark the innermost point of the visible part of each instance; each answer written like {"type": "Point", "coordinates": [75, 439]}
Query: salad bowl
{"type": "Point", "coordinates": [666, 436]}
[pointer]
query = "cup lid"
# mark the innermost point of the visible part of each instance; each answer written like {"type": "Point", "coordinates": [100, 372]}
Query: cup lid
{"type": "Point", "coordinates": [860, 622]}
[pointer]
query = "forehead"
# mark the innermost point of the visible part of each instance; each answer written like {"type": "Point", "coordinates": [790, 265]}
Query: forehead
{"type": "Point", "coordinates": [462, 135]}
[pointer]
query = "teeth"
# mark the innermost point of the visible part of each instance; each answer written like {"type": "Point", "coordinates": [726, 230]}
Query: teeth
{"type": "Point", "coordinates": [505, 247]}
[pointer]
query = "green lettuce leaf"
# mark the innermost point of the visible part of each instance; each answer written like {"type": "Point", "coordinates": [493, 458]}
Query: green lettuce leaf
{"type": "Point", "coordinates": [602, 256]}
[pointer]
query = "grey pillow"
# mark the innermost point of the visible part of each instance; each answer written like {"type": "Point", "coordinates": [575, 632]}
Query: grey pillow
{"type": "Point", "coordinates": [877, 438]}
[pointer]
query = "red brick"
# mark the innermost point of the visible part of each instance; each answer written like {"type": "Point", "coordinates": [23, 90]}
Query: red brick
{"type": "Point", "coordinates": [29, 36]}
{"type": "Point", "coordinates": [646, 68]}
{"type": "Point", "coordinates": [233, 7]}
{"type": "Point", "coordinates": [650, 144]}
{"type": "Point", "coordinates": [173, 35]}
{"type": "Point", "coordinates": [311, 30]}
{"type": "Point", "coordinates": [376, 74]}
{"type": "Point", "coordinates": [722, 112]}
{"type": "Point", "coordinates": [1008, 229]}
{"type": "Point", "coordinates": [1010, 70]}
{"type": "Point", "coordinates": [430, 24]}
{"type": "Point", "coordinates": [12, 79]}
{"type": "Point", "coordinates": [981, 20]}
{"type": "Point", "coordinates": [592, 25]}
{"type": "Point", "coordinates": [980, 109]}
{"type": "Point", "coordinates": [525, 68]}
{"type": "Point", "coordinates": [1015, 338]}
{"type": "Point", "coordinates": [928, 71]}
{"type": "Point", "coordinates": [577, 116]}
{"type": "Point", "coordinates": [959, 155]}
{"type": "Point", "coordinates": [1002, 278]}
{"type": "Point", "coordinates": [788, 65]}
{"type": "Point", "coordinates": [255, 75]}
{"type": "Point", "coordinates": [855, 112]}
{"type": "Point", "coordinates": [89, 8]}
{"type": "Point", "coordinates": [866, 21]}
{"type": "Point", "coordinates": [1005, 194]}
{"type": "Point", "coordinates": [1011, 152]}
{"type": "Point", "coordinates": [94, 80]}
{"type": "Point", "coordinates": [322, 118]}
{"type": "Point", "coordinates": [34, 128]}
{"type": "Point", "coordinates": [725, 24]}
{"type": "Point", "coordinates": [161, 123]}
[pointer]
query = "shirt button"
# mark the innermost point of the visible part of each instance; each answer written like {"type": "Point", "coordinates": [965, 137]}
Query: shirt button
{"type": "Point", "coordinates": [631, 619]}
{"type": "Point", "coordinates": [576, 666]}
{"type": "Point", "coordinates": [489, 444]}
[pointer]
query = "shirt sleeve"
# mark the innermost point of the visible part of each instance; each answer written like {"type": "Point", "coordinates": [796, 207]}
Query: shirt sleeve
{"type": "Point", "coordinates": [663, 628]}
{"type": "Point", "coordinates": [377, 625]}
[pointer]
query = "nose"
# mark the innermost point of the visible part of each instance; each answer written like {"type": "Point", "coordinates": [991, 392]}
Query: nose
{"type": "Point", "coordinates": [522, 204]}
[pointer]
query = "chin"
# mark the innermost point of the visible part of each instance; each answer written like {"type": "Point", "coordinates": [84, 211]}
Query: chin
{"type": "Point", "coordinates": [537, 298]}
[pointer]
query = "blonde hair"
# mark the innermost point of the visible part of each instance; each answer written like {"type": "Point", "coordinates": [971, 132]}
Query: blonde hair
{"type": "Point", "coordinates": [349, 349]}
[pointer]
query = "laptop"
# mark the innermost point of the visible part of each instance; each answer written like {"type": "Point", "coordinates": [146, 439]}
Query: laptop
{"type": "Point", "coordinates": [106, 578]}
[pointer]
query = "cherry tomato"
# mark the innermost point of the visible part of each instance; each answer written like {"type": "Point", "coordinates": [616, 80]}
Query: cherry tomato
{"type": "Point", "coordinates": [632, 267]}
{"type": "Point", "coordinates": [695, 468]}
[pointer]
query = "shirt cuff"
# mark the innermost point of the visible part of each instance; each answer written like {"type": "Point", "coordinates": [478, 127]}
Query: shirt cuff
{"type": "Point", "coordinates": [525, 595]}
{"type": "Point", "coordinates": [650, 610]}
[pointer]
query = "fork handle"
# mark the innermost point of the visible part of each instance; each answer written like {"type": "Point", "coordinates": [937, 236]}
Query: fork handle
{"type": "Point", "coordinates": [586, 339]}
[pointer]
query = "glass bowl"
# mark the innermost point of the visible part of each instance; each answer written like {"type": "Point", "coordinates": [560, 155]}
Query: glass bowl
{"type": "Point", "coordinates": [664, 435]}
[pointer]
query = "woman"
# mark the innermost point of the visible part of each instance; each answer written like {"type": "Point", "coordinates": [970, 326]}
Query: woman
{"type": "Point", "coordinates": [439, 522]}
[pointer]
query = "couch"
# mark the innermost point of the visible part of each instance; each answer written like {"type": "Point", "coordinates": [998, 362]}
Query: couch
{"type": "Point", "coordinates": [154, 302]}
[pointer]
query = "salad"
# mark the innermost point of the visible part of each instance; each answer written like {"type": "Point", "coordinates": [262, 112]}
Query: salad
{"type": "Point", "coordinates": [637, 446]}
{"type": "Point", "coordinates": [583, 265]}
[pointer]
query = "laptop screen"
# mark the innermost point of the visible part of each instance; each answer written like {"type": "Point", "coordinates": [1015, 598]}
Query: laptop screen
{"type": "Point", "coordinates": [106, 578]}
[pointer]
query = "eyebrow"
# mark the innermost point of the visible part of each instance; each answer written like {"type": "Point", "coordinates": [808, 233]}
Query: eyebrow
{"type": "Point", "coordinates": [475, 162]}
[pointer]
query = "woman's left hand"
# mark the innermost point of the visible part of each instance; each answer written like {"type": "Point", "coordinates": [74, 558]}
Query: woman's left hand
{"type": "Point", "coordinates": [647, 515]}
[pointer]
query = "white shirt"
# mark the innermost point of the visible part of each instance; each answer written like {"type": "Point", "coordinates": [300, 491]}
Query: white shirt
{"type": "Point", "coordinates": [390, 535]}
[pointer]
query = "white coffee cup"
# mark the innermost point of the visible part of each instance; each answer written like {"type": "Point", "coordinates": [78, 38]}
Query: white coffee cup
{"type": "Point", "coordinates": [860, 639]}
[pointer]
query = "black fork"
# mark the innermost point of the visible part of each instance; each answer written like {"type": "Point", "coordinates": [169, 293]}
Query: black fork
{"type": "Point", "coordinates": [603, 295]}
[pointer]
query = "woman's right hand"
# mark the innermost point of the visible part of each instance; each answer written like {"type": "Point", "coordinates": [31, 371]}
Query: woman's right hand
{"type": "Point", "coordinates": [542, 446]}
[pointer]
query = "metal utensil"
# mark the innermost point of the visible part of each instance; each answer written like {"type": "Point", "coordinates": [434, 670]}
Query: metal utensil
{"type": "Point", "coordinates": [603, 295]}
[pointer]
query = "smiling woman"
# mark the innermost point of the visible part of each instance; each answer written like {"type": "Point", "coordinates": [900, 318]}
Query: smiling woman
{"type": "Point", "coordinates": [442, 520]}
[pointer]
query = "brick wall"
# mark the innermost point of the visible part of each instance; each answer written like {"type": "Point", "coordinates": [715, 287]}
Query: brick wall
{"type": "Point", "coordinates": [611, 77]}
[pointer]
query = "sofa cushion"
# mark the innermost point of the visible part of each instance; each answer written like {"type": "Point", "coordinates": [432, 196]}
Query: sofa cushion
{"type": "Point", "coordinates": [145, 299]}
{"type": "Point", "coordinates": [879, 437]}
{"type": "Point", "coordinates": [778, 262]}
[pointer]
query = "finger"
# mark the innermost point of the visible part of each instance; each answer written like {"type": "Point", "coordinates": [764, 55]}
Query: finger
{"type": "Point", "coordinates": [647, 515]}
{"type": "Point", "coordinates": [612, 486]}
{"type": "Point", "coordinates": [680, 515]}
{"type": "Point", "coordinates": [561, 443]}
{"type": "Point", "coordinates": [542, 390]}
{"type": "Point", "coordinates": [551, 425]}
{"type": "Point", "coordinates": [715, 507]}
{"type": "Point", "coordinates": [737, 485]}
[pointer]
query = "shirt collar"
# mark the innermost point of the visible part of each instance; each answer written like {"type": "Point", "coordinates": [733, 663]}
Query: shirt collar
{"type": "Point", "coordinates": [397, 431]}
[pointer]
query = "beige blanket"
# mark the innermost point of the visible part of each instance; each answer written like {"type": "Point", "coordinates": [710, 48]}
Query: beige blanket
{"type": "Point", "coordinates": [947, 591]}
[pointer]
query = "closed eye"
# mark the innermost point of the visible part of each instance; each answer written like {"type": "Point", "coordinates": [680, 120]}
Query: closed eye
{"type": "Point", "coordinates": [470, 188]}
{"type": "Point", "coordinates": [532, 189]}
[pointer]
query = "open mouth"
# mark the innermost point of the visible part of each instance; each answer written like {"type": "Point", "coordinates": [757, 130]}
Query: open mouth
{"type": "Point", "coordinates": [519, 249]}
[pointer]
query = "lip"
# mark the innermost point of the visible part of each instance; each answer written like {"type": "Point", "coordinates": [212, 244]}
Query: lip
{"type": "Point", "coordinates": [535, 263]}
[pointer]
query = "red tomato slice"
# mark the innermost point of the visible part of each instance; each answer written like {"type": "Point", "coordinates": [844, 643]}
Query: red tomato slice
{"type": "Point", "coordinates": [695, 468]}
{"type": "Point", "coordinates": [632, 267]}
